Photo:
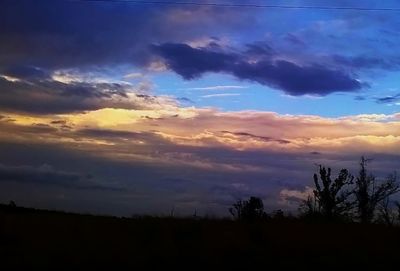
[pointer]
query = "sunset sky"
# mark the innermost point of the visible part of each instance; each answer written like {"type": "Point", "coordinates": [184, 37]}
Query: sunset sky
{"type": "Point", "coordinates": [131, 108]}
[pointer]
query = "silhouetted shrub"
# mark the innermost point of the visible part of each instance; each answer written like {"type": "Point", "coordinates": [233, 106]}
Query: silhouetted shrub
{"type": "Point", "coordinates": [248, 210]}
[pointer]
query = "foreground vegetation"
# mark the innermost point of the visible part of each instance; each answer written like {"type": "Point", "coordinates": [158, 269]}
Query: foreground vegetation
{"type": "Point", "coordinates": [347, 222]}
{"type": "Point", "coordinates": [61, 241]}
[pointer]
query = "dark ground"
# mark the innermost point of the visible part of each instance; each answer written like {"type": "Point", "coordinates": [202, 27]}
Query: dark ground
{"type": "Point", "coordinates": [60, 241]}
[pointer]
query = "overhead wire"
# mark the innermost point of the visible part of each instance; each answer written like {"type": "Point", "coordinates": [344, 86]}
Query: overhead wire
{"type": "Point", "coordinates": [244, 5]}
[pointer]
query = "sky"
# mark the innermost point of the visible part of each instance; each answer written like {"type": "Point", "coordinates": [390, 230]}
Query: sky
{"type": "Point", "coordinates": [127, 108]}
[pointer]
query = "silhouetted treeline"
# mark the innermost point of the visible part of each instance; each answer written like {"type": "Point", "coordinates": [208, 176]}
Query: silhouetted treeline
{"type": "Point", "coordinates": [361, 198]}
{"type": "Point", "coordinates": [40, 239]}
{"type": "Point", "coordinates": [48, 240]}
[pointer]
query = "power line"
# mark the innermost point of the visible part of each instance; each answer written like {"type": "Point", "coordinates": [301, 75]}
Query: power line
{"type": "Point", "coordinates": [233, 5]}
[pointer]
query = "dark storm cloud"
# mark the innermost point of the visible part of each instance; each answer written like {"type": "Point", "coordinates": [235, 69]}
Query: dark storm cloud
{"type": "Point", "coordinates": [53, 35]}
{"type": "Point", "coordinates": [50, 96]}
{"type": "Point", "coordinates": [25, 72]}
{"type": "Point", "coordinates": [39, 38]}
{"type": "Point", "coordinates": [259, 49]}
{"type": "Point", "coordinates": [298, 80]}
{"type": "Point", "coordinates": [64, 34]}
{"type": "Point", "coordinates": [191, 62]}
{"type": "Point", "coordinates": [99, 90]}
{"type": "Point", "coordinates": [288, 76]}
{"type": "Point", "coordinates": [46, 175]}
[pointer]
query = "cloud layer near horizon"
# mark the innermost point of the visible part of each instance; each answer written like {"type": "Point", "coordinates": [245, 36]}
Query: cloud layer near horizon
{"type": "Point", "coordinates": [194, 158]}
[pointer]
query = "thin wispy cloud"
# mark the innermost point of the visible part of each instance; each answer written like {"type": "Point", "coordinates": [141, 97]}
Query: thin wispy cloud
{"type": "Point", "coordinates": [220, 95]}
{"type": "Point", "coordinates": [134, 75]}
{"type": "Point", "coordinates": [218, 88]}
{"type": "Point", "coordinates": [392, 99]}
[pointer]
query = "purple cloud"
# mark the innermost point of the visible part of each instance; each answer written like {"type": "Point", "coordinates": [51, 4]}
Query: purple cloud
{"type": "Point", "coordinates": [287, 76]}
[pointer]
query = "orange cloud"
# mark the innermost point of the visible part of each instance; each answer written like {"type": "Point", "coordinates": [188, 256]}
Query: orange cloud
{"type": "Point", "coordinates": [206, 128]}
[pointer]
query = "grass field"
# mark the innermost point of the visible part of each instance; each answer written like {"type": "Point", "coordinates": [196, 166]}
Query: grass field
{"type": "Point", "coordinates": [60, 241]}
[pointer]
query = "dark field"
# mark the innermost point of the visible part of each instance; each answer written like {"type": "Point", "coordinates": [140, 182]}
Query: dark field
{"type": "Point", "coordinates": [59, 241]}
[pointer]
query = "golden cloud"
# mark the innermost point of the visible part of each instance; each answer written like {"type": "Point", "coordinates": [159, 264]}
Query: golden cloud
{"type": "Point", "coordinates": [138, 134]}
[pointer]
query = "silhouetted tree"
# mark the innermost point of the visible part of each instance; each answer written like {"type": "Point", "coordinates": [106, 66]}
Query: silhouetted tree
{"type": "Point", "coordinates": [309, 209]}
{"type": "Point", "coordinates": [278, 214]}
{"type": "Point", "coordinates": [397, 204]}
{"type": "Point", "coordinates": [386, 215]}
{"type": "Point", "coordinates": [330, 196]}
{"type": "Point", "coordinates": [369, 193]}
{"type": "Point", "coordinates": [237, 209]}
{"type": "Point", "coordinates": [248, 210]}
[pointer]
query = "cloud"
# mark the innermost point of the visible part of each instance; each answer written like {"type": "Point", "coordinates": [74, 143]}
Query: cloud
{"type": "Point", "coordinates": [166, 160]}
{"type": "Point", "coordinates": [221, 95]}
{"type": "Point", "coordinates": [135, 75]}
{"type": "Point", "coordinates": [292, 78]}
{"type": "Point", "coordinates": [298, 80]}
{"type": "Point", "coordinates": [43, 34]}
{"type": "Point", "coordinates": [108, 133]}
{"type": "Point", "coordinates": [244, 131]}
{"type": "Point", "coordinates": [185, 100]}
{"type": "Point", "coordinates": [61, 103]}
{"type": "Point", "coordinates": [259, 49]}
{"type": "Point", "coordinates": [262, 138]}
{"type": "Point", "coordinates": [31, 91]}
{"type": "Point", "coordinates": [218, 88]}
{"type": "Point", "coordinates": [119, 136]}
{"type": "Point", "coordinates": [191, 62]}
{"type": "Point", "coordinates": [47, 175]}
{"type": "Point", "coordinates": [25, 72]}
{"type": "Point", "coordinates": [366, 62]}
{"type": "Point", "coordinates": [293, 39]}
{"type": "Point", "coordinates": [388, 99]}
{"type": "Point", "coordinates": [49, 41]}
{"type": "Point", "coordinates": [295, 196]}
{"type": "Point", "coordinates": [360, 98]}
